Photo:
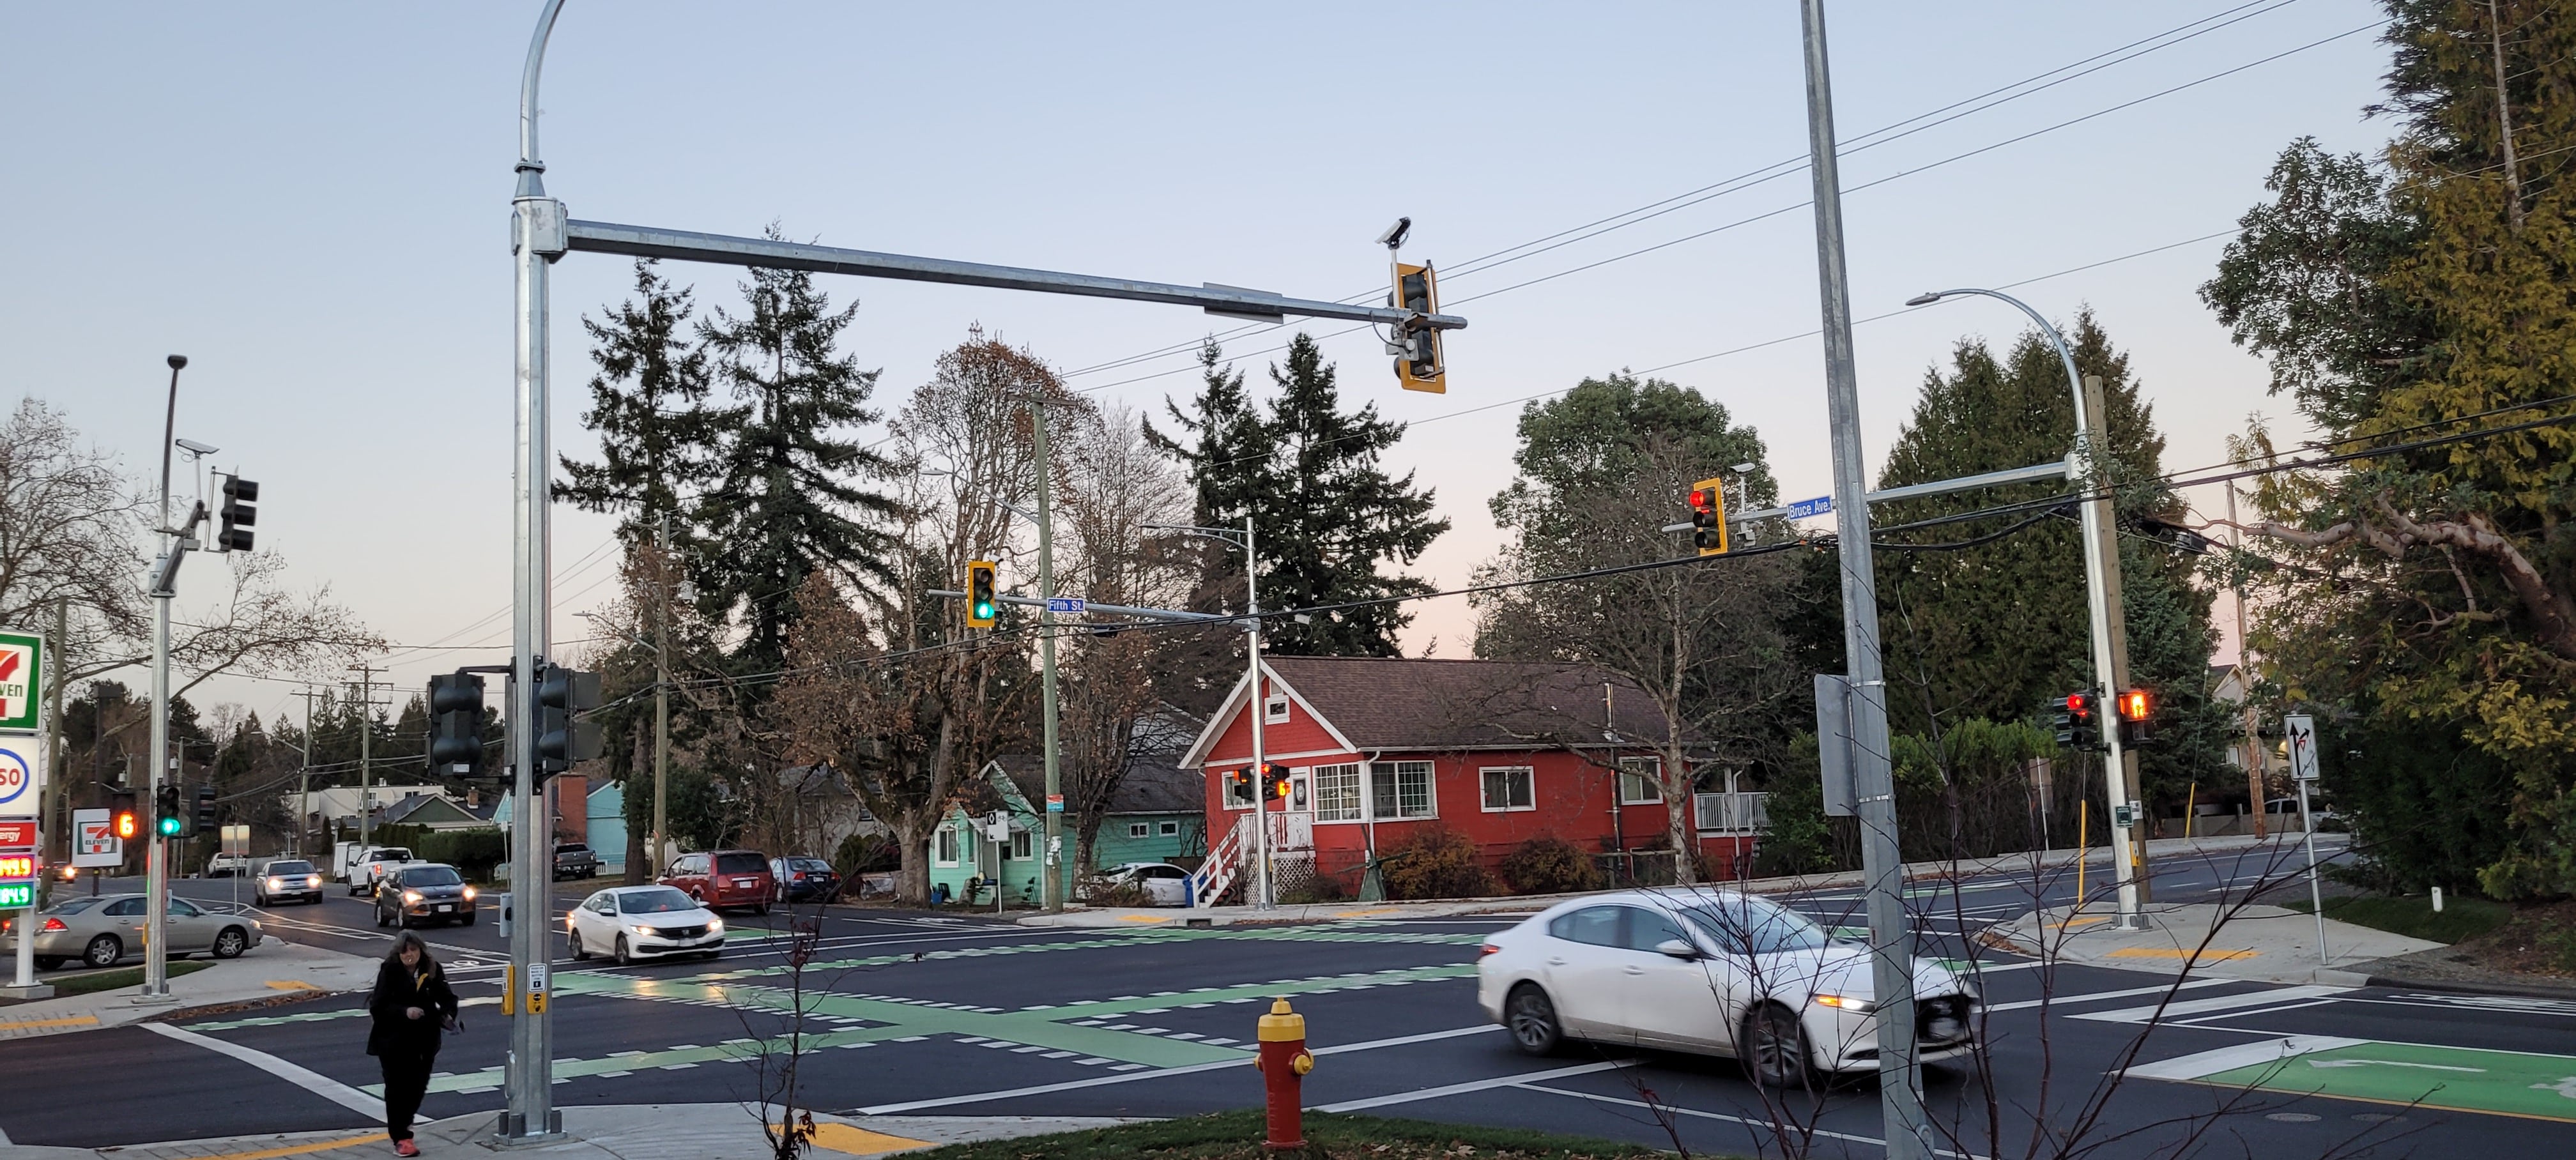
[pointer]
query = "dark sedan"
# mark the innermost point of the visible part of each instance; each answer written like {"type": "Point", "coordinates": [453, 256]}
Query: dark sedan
{"type": "Point", "coordinates": [805, 880]}
{"type": "Point", "coordinates": [424, 892]}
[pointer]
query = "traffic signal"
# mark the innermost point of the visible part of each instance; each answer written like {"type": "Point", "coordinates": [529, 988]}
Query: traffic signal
{"type": "Point", "coordinates": [1418, 366]}
{"type": "Point", "coordinates": [1274, 781]}
{"type": "Point", "coordinates": [2137, 709]}
{"type": "Point", "coordinates": [980, 602]}
{"type": "Point", "coordinates": [165, 811]}
{"type": "Point", "coordinates": [2079, 724]}
{"type": "Point", "coordinates": [238, 515]}
{"type": "Point", "coordinates": [1708, 517]}
{"type": "Point", "coordinates": [456, 723]}
{"type": "Point", "coordinates": [201, 820]}
{"type": "Point", "coordinates": [564, 697]}
{"type": "Point", "coordinates": [126, 826]}
{"type": "Point", "coordinates": [1238, 786]}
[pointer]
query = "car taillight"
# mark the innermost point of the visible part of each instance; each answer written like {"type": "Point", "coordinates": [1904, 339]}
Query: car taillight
{"type": "Point", "coordinates": [1487, 949]}
{"type": "Point", "coordinates": [54, 926]}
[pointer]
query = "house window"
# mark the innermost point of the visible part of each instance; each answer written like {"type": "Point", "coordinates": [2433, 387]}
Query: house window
{"type": "Point", "coordinates": [1400, 789]}
{"type": "Point", "coordinates": [1020, 845]}
{"type": "Point", "coordinates": [1275, 710]}
{"type": "Point", "coordinates": [1509, 787]}
{"type": "Point", "coordinates": [946, 855]}
{"type": "Point", "coordinates": [1238, 787]}
{"type": "Point", "coordinates": [1337, 793]}
{"type": "Point", "coordinates": [1135, 829]}
{"type": "Point", "coordinates": [1640, 780]}
{"type": "Point", "coordinates": [1167, 829]}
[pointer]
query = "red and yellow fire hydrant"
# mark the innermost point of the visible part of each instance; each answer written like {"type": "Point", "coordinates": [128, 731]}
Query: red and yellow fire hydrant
{"type": "Point", "coordinates": [1284, 1062]}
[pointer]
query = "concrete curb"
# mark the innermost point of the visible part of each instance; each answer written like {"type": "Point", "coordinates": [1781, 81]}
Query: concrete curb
{"type": "Point", "coordinates": [724, 1131]}
{"type": "Point", "coordinates": [2536, 989]}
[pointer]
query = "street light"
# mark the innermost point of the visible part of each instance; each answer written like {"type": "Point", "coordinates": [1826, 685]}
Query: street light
{"type": "Point", "coordinates": [2085, 466]}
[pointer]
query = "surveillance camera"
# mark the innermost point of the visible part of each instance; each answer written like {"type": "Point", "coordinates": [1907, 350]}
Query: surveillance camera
{"type": "Point", "coordinates": [177, 361]}
{"type": "Point", "coordinates": [193, 447]}
{"type": "Point", "coordinates": [1745, 468]}
{"type": "Point", "coordinates": [1394, 235]}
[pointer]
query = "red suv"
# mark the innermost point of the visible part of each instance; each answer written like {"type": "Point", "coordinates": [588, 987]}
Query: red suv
{"type": "Point", "coordinates": [724, 878]}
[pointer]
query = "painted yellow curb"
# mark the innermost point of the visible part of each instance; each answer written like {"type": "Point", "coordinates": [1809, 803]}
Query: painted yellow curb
{"type": "Point", "coordinates": [297, 1149]}
{"type": "Point", "coordinates": [67, 1021]}
{"type": "Point", "coordinates": [858, 1141]}
{"type": "Point", "coordinates": [2213, 954]}
{"type": "Point", "coordinates": [291, 985]}
{"type": "Point", "coordinates": [1142, 918]}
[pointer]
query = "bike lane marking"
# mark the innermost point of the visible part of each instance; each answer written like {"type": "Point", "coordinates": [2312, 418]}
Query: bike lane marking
{"type": "Point", "coordinates": [2529, 1085]}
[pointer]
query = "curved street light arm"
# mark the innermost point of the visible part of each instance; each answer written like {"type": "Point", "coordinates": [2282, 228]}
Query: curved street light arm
{"type": "Point", "coordinates": [529, 165]}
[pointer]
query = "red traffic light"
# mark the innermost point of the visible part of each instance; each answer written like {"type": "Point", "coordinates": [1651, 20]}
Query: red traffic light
{"type": "Point", "coordinates": [2080, 706]}
{"type": "Point", "coordinates": [1703, 499]}
{"type": "Point", "coordinates": [2136, 705]}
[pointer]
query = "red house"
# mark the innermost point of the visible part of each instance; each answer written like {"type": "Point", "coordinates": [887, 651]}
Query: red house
{"type": "Point", "coordinates": [1377, 749]}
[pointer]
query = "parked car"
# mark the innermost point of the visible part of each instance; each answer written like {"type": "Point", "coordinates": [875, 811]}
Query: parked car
{"type": "Point", "coordinates": [370, 867]}
{"type": "Point", "coordinates": [802, 879]}
{"type": "Point", "coordinates": [722, 878]}
{"type": "Point", "coordinates": [643, 922]}
{"type": "Point", "coordinates": [284, 878]}
{"type": "Point", "coordinates": [2283, 815]}
{"type": "Point", "coordinates": [228, 865]}
{"type": "Point", "coordinates": [575, 860]}
{"type": "Point", "coordinates": [1706, 971]}
{"type": "Point", "coordinates": [103, 930]}
{"type": "Point", "coordinates": [424, 892]}
{"type": "Point", "coordinates": [1161, 883]}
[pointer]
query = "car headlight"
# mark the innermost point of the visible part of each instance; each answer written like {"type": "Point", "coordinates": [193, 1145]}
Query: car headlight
{"type": "Point", "coordinates": [275, 883]}
{"type": "Point", "coordinates": [313, 880]}
{"type": "Point", "coordinates": [1849, 1003]}
{"type": "Point", "coordinates": [715, 926]}
{"type": "Point", "coordinates": [640, 928]}
{"type": "Point", "coordinates": [410, 896]}
{"type": "Point", "coordinates": [469, 894]}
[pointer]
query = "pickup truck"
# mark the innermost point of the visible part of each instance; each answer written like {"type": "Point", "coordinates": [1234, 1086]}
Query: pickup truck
{"type": "Point", "coordinates": [370, 865]}
{"type": "Point", "coordinates": [575, 860]}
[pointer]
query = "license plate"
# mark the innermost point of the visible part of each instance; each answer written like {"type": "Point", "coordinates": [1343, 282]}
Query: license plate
{"type": "Point", "coordinates": [1945, 1028]}
{"type": "Point", "coordinates": [746, 883]}
{"type": "Point", "coordinates": [444, 908]}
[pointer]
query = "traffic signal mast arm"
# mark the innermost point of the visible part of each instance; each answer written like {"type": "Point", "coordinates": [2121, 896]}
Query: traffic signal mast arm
{"type": "Point", "coordinates": [1089, 606]}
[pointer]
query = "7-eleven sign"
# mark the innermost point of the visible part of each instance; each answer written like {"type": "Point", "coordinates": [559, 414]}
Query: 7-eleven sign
{"type": "Point", "coordinates": [22, 657]}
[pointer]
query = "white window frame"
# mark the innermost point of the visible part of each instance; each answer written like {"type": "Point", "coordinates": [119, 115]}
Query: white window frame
{"type": "Point", "coordinates": [1022, 847]}
{"type": "Point", "coordinates": [1649, 771]}
{"type": "Point", "coordinates": [1348, 789]}
{"type": "Point", "coordinates": [1135, 829]}
{"type": "Point", "coordinates": [1225, 794]}
{"type": "Point", "coordinates": [1394, 774]}
{"type": "Point", "coordinates": [1168, 829]}
{"type": "Point", "coordinates": [947, 836]}
{"type": "Point", "coordinates": [1275, 710]}
{"type": "Point", "coordinates": [1528, 778]}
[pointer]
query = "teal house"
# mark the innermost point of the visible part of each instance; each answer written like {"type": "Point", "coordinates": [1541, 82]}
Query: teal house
{"type": "Point", "coordinates": [1156, 814]}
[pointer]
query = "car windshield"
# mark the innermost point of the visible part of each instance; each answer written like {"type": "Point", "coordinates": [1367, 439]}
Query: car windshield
{"type": "Point", "coordinates": [290, 867]}
{"type": "Point", "coordinates": [432, 876]}
{"type": "Point", "coordinates": [808, 864]}
{"type": "Point", "coordinates": [1743, 925]}
{"type": "Point", "coordinates": [740, 864]}
{"type": "Point", "coordinates": [574, 848]}
{"type": "Point", "coordinates": [71, 906]}
{"type": "Point", "coordinates": [662, 901]}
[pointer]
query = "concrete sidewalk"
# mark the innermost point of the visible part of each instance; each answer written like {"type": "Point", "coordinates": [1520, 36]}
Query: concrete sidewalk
{"type": "Point", "coordinates": [2256, 943]}
{"type": "Point", "coordinates": [272, 970]}
{"type": "Point", "coordinates": [2274, 848]}
{"type": "Point", "coordinates": [606, 1132]}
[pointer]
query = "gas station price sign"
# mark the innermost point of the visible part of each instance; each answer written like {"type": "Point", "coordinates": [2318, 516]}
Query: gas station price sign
{"type": "Point", "coordinates": [17, 895]}
{"type": "Point", "coordinates": [14, 866]}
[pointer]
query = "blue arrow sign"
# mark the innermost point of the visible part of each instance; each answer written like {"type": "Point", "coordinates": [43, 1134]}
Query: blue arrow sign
{"type": "Point", "coordinates": [1822, 505]}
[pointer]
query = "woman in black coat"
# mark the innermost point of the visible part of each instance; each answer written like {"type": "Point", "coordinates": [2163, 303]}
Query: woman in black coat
{"type": "Point", "coordinates": [410, 1005]}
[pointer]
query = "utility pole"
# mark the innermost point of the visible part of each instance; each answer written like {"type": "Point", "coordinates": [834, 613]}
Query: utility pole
{"type": "Point", "coordinates": [2254, 779]}
{"type": "Point", "coordinates": [156, 879]}
{"type": "Point", "coordinates": [1882, 867]}
{"type": "Point", "coordinates": [304, 776]}
{"type": "Point", "coordinates": [1259, 706]}
{"type": "Point", "coordinates": [661, 691]}
{"type": "Point", "coordinates": [2111, 638]}
{"type": "Point", "coordinates": [1054, 805]}
{"type": "Point", "coordinates": [366, 747]}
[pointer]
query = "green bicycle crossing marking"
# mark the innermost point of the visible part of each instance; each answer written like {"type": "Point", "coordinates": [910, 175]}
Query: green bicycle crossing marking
{"type": "Point", "coordinates": [2465, 1079]}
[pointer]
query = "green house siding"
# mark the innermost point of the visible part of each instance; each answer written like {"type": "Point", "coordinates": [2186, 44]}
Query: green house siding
{"type": "Point", "coordinates": [1019, 876]}
{"type": "Point", "coordinates": [1117, 843]}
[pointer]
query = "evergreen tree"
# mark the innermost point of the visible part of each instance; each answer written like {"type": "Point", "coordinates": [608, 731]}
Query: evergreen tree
{"type": "Point", "coordinates": [648, 403]}
{"type": "Point", "coordinates": [790, 503]}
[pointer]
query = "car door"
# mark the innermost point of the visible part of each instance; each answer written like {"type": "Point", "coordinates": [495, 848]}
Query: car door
{"type": "Point", "coordinates": [1580, 964]}
{"type": "Point", "coordinates": [1672, 1002]}
{"type": "Point", "coordinates": [124, 919]}
{"type": "Point", "coordinates": [190, 928]}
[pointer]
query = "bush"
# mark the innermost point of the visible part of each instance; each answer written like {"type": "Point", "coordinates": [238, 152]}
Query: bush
{"type": "Point", "coordinates": [861, 853]}
{"type": "Point", "coordinates": [472, 852]}
{"type": "Point", "coordinates": [1548, 864]}
{"type": "Point", "coordinates": [1437, 863]}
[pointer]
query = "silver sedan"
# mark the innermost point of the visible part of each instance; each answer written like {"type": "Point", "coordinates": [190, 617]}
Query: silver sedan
{"type": "Point", "coordinates": [105, 930]}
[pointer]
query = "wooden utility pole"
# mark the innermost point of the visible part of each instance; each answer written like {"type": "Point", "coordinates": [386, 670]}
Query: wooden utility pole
{"type": "Point", "coordinates": [661, 692]}
{"type": "Point", "coordinates": [2097, 414]}
{"type": "Point", "coordinates": [304, 776]}
{"type": "Point", "coordinates": [366, 747]}
{"type": "Point", "coordinates": [2254, 787]}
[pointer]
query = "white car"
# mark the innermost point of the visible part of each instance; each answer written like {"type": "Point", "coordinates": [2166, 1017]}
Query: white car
{"type": "Point", "coordinates": [629, 923]}
{"type": "Point", "coordinates": [1706, 971]}
{"type": "Point", "coordinates": [1162, 883]}
{"type": "Point", "coordinates": [372, 865]}
{"type": "Point", "coordinates": [228, 865]}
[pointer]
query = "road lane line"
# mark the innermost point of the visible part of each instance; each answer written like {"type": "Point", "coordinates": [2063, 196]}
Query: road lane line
{"type": "Point", "coordinates": [304, 1077]}
{"type": "Point", "coordinates": [1159, 1073]}
{"type": "Point", "coordinates": [2131, 993]}
{"type": "Point", "coordinates": [1478, 1085]}
{"type": "Point", "coordinates": [2222, 1003]}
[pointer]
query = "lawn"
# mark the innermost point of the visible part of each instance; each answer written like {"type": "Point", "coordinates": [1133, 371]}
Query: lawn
{"type": "Point", "coordinates": [92, 982]}
{"type": "Point", "coordinates": [2461, 919]}
{"type": "Point", "coordinates": [1238, 1136]}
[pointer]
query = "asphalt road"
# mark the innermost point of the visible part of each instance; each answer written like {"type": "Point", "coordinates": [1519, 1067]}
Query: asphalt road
{"type": "Point", "coordinates": [934, 1014]}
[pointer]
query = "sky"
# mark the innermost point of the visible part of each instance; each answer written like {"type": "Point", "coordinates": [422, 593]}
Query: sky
{"type": "Point", "coordinates": [311, 201]}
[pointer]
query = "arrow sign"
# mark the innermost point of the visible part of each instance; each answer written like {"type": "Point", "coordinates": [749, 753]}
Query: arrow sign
{"type": "Point", "coordinates": [2390, 1063]}
{"type": "Point", "coordinates": [2301, 732]}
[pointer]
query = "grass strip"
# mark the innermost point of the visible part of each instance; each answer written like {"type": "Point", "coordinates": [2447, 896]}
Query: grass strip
{"type": "Point", "coordinates": [1238, 1135]}
{"type": "Point", "coordinates": [2460, 920]}
{"type": "Point", "coordinates": [95, 981]}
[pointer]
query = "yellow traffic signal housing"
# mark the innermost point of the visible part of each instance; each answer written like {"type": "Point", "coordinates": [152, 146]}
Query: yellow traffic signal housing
{"type": "Point", "coordinates": [1420, 368]}
{"type": "Point", "coordinates": [1708, 516]}
{"type": "Point", "coordinates": [980, 603]}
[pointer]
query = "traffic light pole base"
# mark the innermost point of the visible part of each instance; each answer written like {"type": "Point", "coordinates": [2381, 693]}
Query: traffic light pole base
{"type": "Point", "coordinates": [509, 1130]}
{"type": "Point", "coordinates": [30, 991]}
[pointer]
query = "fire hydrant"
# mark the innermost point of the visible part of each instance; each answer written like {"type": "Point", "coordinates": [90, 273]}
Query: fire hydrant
{"type": "Point", "coordinates": [1284, 1062]}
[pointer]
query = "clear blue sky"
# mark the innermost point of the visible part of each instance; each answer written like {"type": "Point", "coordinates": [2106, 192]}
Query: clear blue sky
{"type": "Point", "coordinates": [311, 201]}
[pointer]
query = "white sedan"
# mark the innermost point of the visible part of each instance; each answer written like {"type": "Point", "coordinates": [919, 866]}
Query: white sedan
{"type": "Point", "coordinates": [1162, 883]}
{"type": "Point", "coordinates": [629, 923]}
{"type": "Point", "coordinates": [1707, 971]}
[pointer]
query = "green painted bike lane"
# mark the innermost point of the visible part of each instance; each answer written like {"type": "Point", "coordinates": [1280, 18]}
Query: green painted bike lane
{"type": "Point", "coordinates": [2463, 1079]}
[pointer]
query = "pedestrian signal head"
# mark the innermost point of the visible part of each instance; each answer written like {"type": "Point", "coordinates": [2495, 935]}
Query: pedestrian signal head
{"type": "Point", "coordinates": [2136, 705]}
{"type": "Point", "coordinates": [980, 602]}
{"type": "Point", "coordinates": [1708, 517]}
{"type": "Point", "coordinates": [125, 827]}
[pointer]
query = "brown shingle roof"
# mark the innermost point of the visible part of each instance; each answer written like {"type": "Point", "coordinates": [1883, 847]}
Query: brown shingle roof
{"type": "Point", "coordinates": [1415, 703]}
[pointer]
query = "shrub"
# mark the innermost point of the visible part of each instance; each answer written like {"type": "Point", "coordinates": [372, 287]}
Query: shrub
{"type": "Point", "coordinates": [1436, 863]}
{"type": "Point", "coordinates": [472, 852]}
{"type": "Point", "coordinates": [860, 853]}
{"type": "Point", "coordinates": [1548, 864]}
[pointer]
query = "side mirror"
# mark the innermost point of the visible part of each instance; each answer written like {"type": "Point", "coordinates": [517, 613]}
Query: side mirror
{"type": "Point", "coordinates": [1678, 949]}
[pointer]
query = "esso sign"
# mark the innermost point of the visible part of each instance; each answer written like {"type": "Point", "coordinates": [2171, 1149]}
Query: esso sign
{"type": "Point", "coordinates": [16, 779]}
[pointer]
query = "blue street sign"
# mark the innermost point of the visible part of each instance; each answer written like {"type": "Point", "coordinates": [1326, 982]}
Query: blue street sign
{"type": "Point", "coordinates": [1822, 505]}
{"type": "Point", "coordinates": [1067, 604]}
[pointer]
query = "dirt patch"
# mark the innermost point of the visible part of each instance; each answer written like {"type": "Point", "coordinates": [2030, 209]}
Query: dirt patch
{"type": "Point", "coordinates": [2533, 952]}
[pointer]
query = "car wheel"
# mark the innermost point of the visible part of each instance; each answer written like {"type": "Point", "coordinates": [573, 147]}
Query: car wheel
{"type": "Point", "coordinates": [103, 951]}
{"type": "Point", "coordinates": [579, 952]}
{"type": "Point", "coordinates": [1775, 1053]}
{"type": "Point", "coordinates": [624, 957]}
{"type": "Point", "coordinates": [1532, 1020]}
{"type": "Point", "coordinates": [468, 920]}
{"type": "Point", "coordinates": [381, 921]}
{"type": "Point", "coordinates": [231, 942]}
{"type": "Point", "coordinates": [48, 962]}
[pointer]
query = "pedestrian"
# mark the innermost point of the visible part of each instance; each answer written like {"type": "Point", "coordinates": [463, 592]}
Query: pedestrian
{"type": "Point", "coordinates": [410, 1005]}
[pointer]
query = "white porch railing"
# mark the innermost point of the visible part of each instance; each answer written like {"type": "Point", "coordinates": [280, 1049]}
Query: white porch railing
{"type": "Point", "coordinates": [1224, 861]}
{"type": "Point", "coordinates": [1732, 813]}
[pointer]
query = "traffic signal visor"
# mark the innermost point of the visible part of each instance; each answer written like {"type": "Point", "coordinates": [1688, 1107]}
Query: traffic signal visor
{"type": "Point", "coordinates": [980, 602]}
{"type": "Point", "coordinates": [1708, 517]}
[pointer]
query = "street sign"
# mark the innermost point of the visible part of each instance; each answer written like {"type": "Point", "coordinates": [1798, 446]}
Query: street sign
{"type": "Point", "coordinates": [22, 659]}
{"type": "Point", "coordinates": [2301, 730]}
{"type": "Point", "coordinates": [1834, 745]}
{"type": "Point", "coordinates": [2124, 815]}
{"type": "Point", "coordinates": [236, 839]}
{"type": "Point", "coordinates": [94, 840]}
{"type": "Point", "coordinates": [17, 867]}
{"type": "Point", "coordinates": [17, 895]}
{"type": "Point", "coordinates": [21, 772]}
{"type": "Point", "coordinates": [1063, 604]}
{"type": "Point", "coordinates": [1055, 803]}
{"type": "Point", "coordinates": [18, 834]}
{"type": "Point", "coordinates": [1822, 505]}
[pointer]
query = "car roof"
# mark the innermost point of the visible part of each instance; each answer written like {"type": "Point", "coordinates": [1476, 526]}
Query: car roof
{"type": "Point", "coordinates": [635, 889]}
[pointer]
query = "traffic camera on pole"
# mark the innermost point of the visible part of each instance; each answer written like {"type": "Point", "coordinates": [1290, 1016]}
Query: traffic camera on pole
{"type": "Point", "coordinates": [238, 515]}
{"type": "Point", "coordinates": [980, 602]}
{"type": "Point", "coordinates": [165, 811]}
{"type": "Point", "coordinates": [2079, 722]}
{"type": "Point", "coordinates": [2137, 708]}
{"type": "Point", "coordinates": [456, 724]}
{"type": "Point", "coordinates": [1708, 517]}
{"type": "Point", "coordinates": [564, 697]}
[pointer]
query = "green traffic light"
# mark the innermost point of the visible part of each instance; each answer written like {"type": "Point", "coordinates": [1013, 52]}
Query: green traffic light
{"type": "Point", "coordinates": [169, 827]}
{"type": "Point", "coordinates": [983, 610]}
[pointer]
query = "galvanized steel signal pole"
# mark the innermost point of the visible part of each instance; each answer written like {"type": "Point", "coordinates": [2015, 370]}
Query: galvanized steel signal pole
{"type": "Point", "coordinates": [1891, 942]}
{"type": "Point", "coordinates": [537, 239]}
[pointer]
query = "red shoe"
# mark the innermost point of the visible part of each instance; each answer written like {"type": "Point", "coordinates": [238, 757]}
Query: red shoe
{"type": "Point", "coordinates": [406, 1148]}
